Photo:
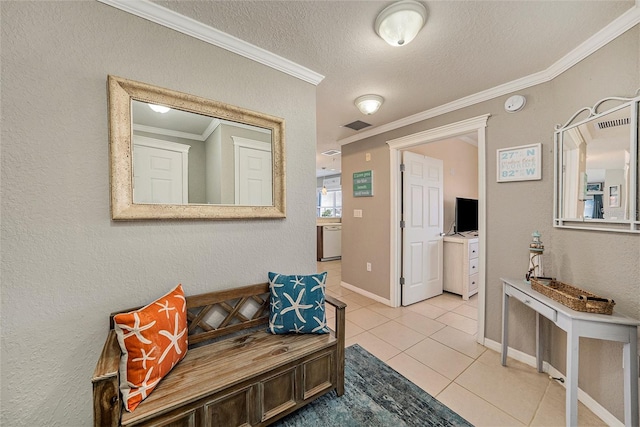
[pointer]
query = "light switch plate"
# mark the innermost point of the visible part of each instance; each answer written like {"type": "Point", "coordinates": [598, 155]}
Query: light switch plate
{"type": "Point", "coordinates": [357, 213]}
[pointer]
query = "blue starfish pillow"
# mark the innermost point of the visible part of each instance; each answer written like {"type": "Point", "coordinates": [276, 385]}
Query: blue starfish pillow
{"type": "Point", "coordinates": [297, 304]}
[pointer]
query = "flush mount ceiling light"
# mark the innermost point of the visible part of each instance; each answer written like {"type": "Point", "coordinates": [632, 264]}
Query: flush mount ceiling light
{"type": "Point", "coordinates": [369, 104]}
{"type": "Point", "coordinates": [159, 108]}
{"type": "Point", "coordinates": [400, 22]}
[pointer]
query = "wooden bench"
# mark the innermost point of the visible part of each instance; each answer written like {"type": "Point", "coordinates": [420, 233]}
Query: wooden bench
{"type": "Point", "coordinates": [235, 372]}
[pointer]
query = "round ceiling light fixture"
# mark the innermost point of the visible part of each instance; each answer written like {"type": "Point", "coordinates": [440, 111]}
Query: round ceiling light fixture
{"type": "Point", "coordinates": [369, 104]}
{"type": "Point", "coordinates": [400, 22]}
{"type": "Point", "coordinates": [159, 108]}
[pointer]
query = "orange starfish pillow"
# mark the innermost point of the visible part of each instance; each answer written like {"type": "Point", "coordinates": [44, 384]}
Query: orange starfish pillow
{"type": "Point", "coordinates": [152, 339]}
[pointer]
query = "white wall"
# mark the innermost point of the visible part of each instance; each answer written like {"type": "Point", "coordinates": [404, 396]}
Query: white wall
{"type": "Point", "coordinates": [65, 264]}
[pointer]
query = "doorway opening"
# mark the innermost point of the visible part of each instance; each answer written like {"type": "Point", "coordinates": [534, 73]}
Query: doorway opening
{"type": "Point", "coordinates": [477, 126]}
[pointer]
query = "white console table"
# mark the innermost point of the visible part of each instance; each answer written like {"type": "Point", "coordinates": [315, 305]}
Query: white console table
{"type": "Point", "coordinates": [615, 327]}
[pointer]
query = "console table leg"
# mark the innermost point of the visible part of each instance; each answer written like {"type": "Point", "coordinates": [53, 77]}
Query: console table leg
{"type": "Point", "coordinates": [505, 325]}
{"type": "Point", "coordinates": [538, 343]}
{"type": "Point", "coordinates": [630, 358]}
{"type": "Point", "coordinates": [573, 347]}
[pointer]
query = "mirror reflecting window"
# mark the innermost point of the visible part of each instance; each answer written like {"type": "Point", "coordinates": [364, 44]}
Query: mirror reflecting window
{"type": "Point", "coordinates": [597, 170]}
{"type": "Point", "coordinates": [175, 155]}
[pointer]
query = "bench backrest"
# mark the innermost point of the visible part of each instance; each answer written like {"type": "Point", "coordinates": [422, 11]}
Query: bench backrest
{"type": "Point", "coordinates": [223, 312]}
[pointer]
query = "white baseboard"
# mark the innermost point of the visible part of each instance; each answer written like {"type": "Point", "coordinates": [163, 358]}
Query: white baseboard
{"type": "Point", "coordinates": [583, 397]}
{"type": "Point", "coordinates": [366, 293]}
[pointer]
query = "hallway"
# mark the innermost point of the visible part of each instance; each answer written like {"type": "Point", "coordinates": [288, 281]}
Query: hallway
{"type": "Point", "coordinates": [433, 344]}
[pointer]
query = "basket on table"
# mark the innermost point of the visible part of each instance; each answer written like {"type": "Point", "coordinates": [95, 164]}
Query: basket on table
{"type": "Point", "coordinates": [573, 297]}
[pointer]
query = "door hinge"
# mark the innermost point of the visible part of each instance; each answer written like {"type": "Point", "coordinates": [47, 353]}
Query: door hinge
{"type": "Point", "coordinates": [402, 281]}
{"type": "Point", "coordinates": [402, 224]}
{"type": "Point", "coordinates": [402, 167]}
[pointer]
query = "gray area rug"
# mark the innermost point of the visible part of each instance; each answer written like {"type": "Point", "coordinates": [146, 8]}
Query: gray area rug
{"type": "Point", "coordinates": [375, 395]}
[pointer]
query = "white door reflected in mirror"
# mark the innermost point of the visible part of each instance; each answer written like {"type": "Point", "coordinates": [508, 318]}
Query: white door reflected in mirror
{"type": "Point", "coordinates": [212, 163]}
{"type": "Point", "coordinates": [160, 171]}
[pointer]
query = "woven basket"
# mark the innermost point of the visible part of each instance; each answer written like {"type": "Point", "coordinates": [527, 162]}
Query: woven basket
{"type": "Point", "coordinates": [573, 297]}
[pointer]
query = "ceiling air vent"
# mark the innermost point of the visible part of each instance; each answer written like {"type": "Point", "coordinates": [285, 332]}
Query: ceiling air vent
{"type": "Point", "coordinates": [331, 152]}
{"type": "Point", "coordinates": [357, 125]}
{"type": "Point", "coordinates": [612, 123]}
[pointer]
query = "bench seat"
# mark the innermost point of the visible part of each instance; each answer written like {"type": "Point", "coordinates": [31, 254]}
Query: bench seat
{"type": "Point", "coordinates": [221, 366]}
{"type": "Point", "coordinates": [235, 372]}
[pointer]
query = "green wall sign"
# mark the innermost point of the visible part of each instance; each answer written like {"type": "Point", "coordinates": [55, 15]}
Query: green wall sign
{"type": "Point", "coordinates": [363, 184]}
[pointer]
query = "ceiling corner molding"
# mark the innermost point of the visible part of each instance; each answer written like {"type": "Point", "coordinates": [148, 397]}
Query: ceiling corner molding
{"type": "Point", "coordinates": [185, 25]}
{"type": "Point", "coordinates": [609, 33]}
{"type": "Point", "coordinates": [616, 28]}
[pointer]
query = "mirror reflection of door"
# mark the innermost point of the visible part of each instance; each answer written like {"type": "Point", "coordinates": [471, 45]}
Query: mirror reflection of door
{"type": "Point", "coordinates": [160, 171]}
{"type": "Point", "coordinates": [254, 181]}
{"type": "Point", "coordinates": [213, 175]}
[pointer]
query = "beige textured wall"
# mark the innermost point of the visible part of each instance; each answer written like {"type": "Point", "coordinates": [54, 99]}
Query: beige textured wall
{"type": "Point", "coordinates": [606, 263]}
{"type": "Point", "coordinates": [460, 161]}
{"type": "Point", "coordinates": [366, 239]}
{"type": "Point", "coordinates": [65, 264]}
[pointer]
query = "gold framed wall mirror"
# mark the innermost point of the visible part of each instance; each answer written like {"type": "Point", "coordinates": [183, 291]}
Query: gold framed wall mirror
{"type": "Point", "coordinates": [597, 184]}
{"type": "Point", "coordinates": [179, 156]}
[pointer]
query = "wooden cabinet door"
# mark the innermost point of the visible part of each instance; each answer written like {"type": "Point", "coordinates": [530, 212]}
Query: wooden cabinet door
{"type": "Point", "coordinates": [232, 410]}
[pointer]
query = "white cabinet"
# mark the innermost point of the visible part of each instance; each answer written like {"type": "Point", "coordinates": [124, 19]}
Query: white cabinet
{"type": "Point", "coordinates": [461, 266]}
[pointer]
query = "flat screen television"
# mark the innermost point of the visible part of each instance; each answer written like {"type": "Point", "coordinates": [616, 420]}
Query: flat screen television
{"type": "Point", "coordinates": [466, 215]}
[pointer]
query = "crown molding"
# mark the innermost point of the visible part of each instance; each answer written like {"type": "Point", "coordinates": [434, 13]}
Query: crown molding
{"type": "Point", "coordinates": [447, 131]}
{"type": "Point", "coordinates": [616, 28]}
{"type": "Point", "coordinates": [185, 25]}
{"type": "Point", "coordinates": [609, 33]}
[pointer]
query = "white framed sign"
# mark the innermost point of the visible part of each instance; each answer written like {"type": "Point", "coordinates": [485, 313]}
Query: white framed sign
{"type": "Point", "coordinates": [523, 163]}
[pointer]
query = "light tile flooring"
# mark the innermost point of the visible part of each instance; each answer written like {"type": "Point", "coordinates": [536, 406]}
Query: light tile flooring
{"type": "Point", "coordinates": [433, 344]}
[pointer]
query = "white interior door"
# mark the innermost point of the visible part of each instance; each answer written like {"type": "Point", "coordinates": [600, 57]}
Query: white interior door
{"type": "Point", "coordinates": [254, 177]}
{"type": "Point", "coordinates": [422, 235]}
{"type": "Point", "coordinates": [160, 172]}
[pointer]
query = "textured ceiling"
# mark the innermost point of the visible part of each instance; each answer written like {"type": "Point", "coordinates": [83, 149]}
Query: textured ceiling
{"type": "Point", "coordinates": [465, 47]}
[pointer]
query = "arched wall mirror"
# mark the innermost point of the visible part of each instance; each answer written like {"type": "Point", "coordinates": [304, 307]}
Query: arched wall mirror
{"type": "Point", "coordinates": [179, 156]}
{"type": "Point", "coordinates": [596, 168]}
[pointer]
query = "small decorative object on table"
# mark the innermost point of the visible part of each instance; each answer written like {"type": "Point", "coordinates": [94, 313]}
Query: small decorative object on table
{"type": "Point", "coordinates": [573, 297]}
{"type": "Point", "coordinates": [536, 248]}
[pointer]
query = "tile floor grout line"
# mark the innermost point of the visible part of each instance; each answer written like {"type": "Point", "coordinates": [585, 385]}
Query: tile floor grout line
{"type": "Point", "coordinates": [546, 390]}
{"type": "Point", "coordinates": [486, 401]}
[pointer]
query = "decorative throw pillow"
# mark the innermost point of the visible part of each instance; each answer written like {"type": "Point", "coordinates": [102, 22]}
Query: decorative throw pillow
{"type": "Point", "coordinates": [297, 304]}
{"type": "Point", "coordinates": [152, 339]}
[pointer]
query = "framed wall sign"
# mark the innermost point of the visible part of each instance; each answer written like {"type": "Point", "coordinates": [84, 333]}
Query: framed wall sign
{"type": "Point", "coordinates": [523, 163]}
{"type": "Point", "coordinates": [594, 186]}
{"type": "Point", "coordinates": [363, 184]}
{"type": "Point", "coordinates": [614, 196]}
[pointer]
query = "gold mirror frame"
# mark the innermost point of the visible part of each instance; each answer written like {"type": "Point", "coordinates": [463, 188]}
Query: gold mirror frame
{"type": "Point", "coordinates": [121, 92]}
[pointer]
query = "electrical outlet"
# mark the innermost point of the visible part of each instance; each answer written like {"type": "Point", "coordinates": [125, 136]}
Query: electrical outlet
{"type": "Point", "coordinates": [357, 213]}
{"type": "Point", "coordinates": [367, 157]}
{"type": "Point", "coordinates": [368, 266]}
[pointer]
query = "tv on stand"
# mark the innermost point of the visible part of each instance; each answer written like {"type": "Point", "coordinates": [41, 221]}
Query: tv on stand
{"type": "Point", "coordinates": [466, 215]}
